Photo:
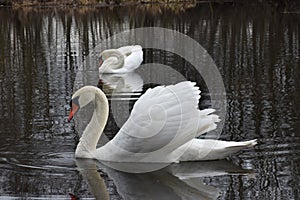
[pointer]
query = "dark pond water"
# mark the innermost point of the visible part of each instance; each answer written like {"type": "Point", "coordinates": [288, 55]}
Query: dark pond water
{"type": "Point", "coordinates": [255, 47]}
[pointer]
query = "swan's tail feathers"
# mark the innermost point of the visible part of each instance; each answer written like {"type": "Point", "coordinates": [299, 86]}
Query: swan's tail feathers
{"type": "Point", "coordinates": [208, 149]}
{"type": "Point", "coordinates": [245, 144]}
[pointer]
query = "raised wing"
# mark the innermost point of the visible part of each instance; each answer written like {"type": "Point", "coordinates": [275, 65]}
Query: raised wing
{"type": "Point", "coordinates": [163, 119]}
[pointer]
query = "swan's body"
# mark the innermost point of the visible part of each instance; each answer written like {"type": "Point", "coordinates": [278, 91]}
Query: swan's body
{"type": "Point", "coordinates": [121, 60]}
{"type": "Point", "coordinates": [161, 128]}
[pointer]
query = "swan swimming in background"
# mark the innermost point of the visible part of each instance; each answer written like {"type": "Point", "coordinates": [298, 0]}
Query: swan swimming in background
{"type": "Point", "coordinates": [122, 60]}
{"type": "Point", "coordinates": [162, 128]}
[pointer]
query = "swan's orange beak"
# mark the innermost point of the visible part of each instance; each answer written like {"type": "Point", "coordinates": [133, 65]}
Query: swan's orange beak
{"type": "Point", "coordinates": [72, 111]}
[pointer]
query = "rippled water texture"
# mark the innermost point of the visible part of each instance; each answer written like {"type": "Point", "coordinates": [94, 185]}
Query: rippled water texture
{"type": "Point", "coordinates": [256, 49]}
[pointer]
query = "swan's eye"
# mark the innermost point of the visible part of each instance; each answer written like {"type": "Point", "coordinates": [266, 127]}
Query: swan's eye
{"type": "Point", "coordinates": [71, 103]}
{"type": "Point", "coordinates": [100, 61]}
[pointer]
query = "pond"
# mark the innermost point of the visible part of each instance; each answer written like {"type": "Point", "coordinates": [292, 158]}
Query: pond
{"type": "Point", "coordinates": [43, 56]}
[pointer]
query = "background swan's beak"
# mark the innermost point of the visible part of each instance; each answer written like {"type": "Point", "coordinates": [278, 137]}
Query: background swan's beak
{"type": "Point", "coordinates": [72, 112]}
{"type": "Point", "coordinates": [73, 197]}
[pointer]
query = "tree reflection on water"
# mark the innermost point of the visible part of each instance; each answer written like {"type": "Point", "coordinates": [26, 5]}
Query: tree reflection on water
{"type": "Point", "coordinates": [256, 48]}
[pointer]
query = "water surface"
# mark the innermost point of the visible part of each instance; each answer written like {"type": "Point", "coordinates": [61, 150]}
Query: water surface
{"type": "Point", "coordinates": [256, 49]}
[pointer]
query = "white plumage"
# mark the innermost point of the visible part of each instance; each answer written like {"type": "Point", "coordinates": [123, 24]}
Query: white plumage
{"type": "Point", "coordinates": [162, 128]}
{"type": "Point", "coordinates": [122, 60]}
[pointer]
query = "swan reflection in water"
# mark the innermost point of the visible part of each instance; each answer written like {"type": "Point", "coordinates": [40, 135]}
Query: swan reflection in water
{"type": "Point", "coordinates": [177, 181]}
{"type": "Point", "coordinates": [121, 84]}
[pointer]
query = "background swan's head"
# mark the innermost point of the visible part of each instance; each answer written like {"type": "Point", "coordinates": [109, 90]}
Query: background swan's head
{"type": "Point", "coordinates": [111, 59]}
{"type": "Point", "coordinates": [110, 53]}
{"type": "Point", "coordinates": [81, 98]}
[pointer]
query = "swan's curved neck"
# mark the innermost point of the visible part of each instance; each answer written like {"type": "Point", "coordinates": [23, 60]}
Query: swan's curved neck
{"type": "Point", "coordinates": [94, 129]}
{"type": "Point", "coordinates": [115, 59]}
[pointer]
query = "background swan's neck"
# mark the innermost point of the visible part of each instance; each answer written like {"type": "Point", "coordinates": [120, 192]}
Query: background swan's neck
{"type": "Point", "coordinates": [115, 59]}
{"type": "Point", "coordinates": [94, 129]}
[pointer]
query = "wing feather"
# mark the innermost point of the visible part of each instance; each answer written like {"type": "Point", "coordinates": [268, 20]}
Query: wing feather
{"type": "Point", "coordinates": [162, 120]}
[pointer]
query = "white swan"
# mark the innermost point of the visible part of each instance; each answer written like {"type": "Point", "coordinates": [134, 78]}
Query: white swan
{"type": "Point", "coordinates": [121, 60]}
{"type": "Point", "coordinates": [161, 128]}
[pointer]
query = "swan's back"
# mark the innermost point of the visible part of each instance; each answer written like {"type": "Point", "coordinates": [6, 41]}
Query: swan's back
{"type": "Point", "coordinates": [133, 57]}
{"type": "Point", "coordinates": [130, 49]}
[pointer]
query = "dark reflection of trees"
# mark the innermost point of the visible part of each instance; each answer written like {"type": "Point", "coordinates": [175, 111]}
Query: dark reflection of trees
{"type": "Point", "coordinates": [33, 94]}
{"type": "Point", "coordinates": [256, 48]}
